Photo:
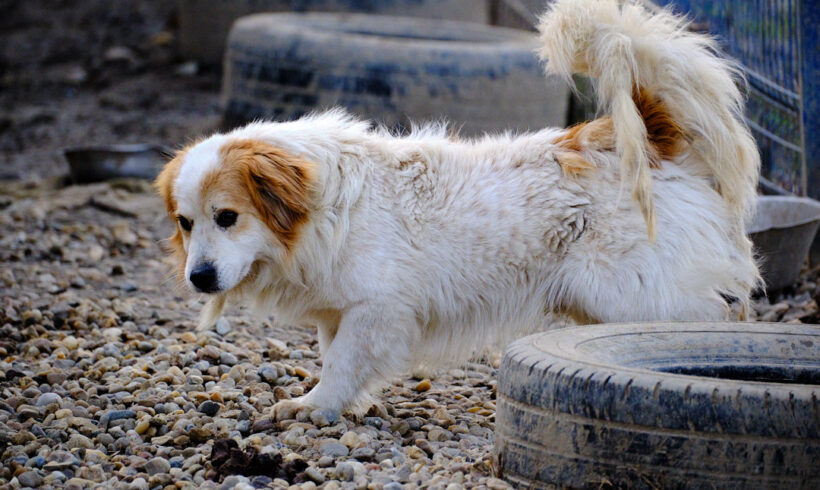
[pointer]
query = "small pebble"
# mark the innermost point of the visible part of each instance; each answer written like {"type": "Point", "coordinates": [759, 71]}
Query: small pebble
{"type": "Point", "coordinates": [277, 349]}
{"type": "Point", "coordinates": [113, 415]}
{"type": "Point", "coordinates": [223, 326]}
{"type": "Point", "coordinates": [47, 399]}
{"type": "Point", "coordinates": [363, 454]}
{"type": "Point", "coordinates": [344, 471]}
{"type": "Point", "coordinates": [315, 475]}
{"type": "Point", "coordinates": [79, 441]}
{"type": "Point", "coordinates": [228, 359]}
{"type": "Point", "coordinates": [349, 439]}
{"type": "Point", "coordinates": [333, 448]}
{"type": "Point", "coordinates": [209, 408]}
{"type": "Point", "coordinates": [157, 466]}
{"type": "Point", "coordinates": [30, 479]}
{"type": "Point", "coordinates": [143, 426]}
{"type": "Point", "coordinates": [268, 374]}
{"type": "Point", "coordinates": [139, 484]}
{"type": "Point", "coordinates": [424, 385]}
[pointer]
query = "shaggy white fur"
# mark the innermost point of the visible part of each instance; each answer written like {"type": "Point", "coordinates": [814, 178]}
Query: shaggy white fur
{"type": "Point", "coordinates": [423, 249]}
{"type": "Point", "coordinates": [623, 47]}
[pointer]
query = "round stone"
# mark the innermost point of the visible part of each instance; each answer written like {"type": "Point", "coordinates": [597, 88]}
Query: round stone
{"type": "Point", "coordinates": [223, 326]}
{"type": "Point", "coordinates": [209, 408]}
{"type": "Point", "coordinates": [344, 471]}
{"type": "Point", "coordinates": [315, 475]}
{"type": "Point", "coordinates": [157, 466]}
{"type": "Point", "coordinates": [350, 439]}
{"type": "Point", "coordinates": [30, 479]}
{"type": "Point", "coordinates": [268, 374]}
{"type": "Point", "coordinates": [363, 453]}
{"type": "Point", "coordinates": [47, 399]}
{"type": "Point", "coordinates": [424, 385]}
{"type": "Point", "coordinates": [333, 448]}
{"type": "Point", "coordinates": [79, 441]}
{"type": "Point", "coordinates": [228, 359]}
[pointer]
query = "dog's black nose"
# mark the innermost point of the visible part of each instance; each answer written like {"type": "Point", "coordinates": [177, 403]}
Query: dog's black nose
{"type": "Point", "coordinates": [203, 277]}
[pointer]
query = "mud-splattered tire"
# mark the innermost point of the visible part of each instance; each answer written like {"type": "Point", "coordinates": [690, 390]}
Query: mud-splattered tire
{"type": "Point", "coordinates": [204, 24]}
{"type": "Point", "coordinates": [390, 69]}
{"type": "Point", "coordinates": [722, 405]}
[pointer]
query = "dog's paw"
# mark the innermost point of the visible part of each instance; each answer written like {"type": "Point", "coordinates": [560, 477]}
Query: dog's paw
{"type": "Point", "coordinates": [292, 409]}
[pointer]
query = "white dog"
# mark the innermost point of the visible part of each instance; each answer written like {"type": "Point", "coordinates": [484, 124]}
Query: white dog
{"type": "Point", "coordinates": [405, 251]}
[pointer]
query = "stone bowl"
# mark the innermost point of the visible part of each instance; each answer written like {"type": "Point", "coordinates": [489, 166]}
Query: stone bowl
{"type": "Point", "coordinates": [782, 232]}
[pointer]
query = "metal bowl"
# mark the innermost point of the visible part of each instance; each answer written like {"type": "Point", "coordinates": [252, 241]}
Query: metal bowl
{"type": "Point", "coordinates": [100, 163]}
{"type": "Point", "coordinates": [782, 231]}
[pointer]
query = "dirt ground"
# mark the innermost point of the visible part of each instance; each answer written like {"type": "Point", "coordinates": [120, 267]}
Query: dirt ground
{"type": "Point", "coordinates": [86, 72]}
{"type": "Point", "coordinates": [103, 381]}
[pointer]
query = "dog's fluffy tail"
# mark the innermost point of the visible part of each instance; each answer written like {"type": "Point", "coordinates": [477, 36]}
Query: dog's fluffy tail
{"type": "Point", "coordinates": [642, 59]}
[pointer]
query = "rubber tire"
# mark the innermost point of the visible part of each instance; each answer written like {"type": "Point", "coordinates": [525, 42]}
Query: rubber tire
{"type": "Point", "coordinates": [391, 69]}
{"type": "Point", "coordinates": [204, 24]}
{"type": "Point", "coordinates": [600, 407]}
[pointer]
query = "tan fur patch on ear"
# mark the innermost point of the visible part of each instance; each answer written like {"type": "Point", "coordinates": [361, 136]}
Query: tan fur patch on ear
{"type": "Point", "coordinates": [164, 184]}
{"type": "Point", "coordinates": [278, 184]}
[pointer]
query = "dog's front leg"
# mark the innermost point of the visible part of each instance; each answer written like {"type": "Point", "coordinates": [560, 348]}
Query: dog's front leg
{"type": "Point", "coordinates": [211, 312]}
{"type": "Point", "coordinates": [372, 343]}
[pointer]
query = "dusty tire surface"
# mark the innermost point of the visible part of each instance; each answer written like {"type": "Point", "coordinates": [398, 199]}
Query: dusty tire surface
{"type": "Point", "coordinates": [204, 24]}
{"type": "Point", "coordinates": [693, 405]}
{"type": "Point", "coordinates": [390, 69]}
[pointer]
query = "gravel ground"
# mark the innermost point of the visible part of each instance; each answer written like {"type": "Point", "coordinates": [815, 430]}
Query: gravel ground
{"type": "Point", "coordinates": [103, 380]}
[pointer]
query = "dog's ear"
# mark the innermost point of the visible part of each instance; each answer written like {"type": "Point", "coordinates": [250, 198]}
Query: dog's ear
{"type": "Point", "coordinates": [164, 184]}
{"type": "Point", "coordinates": [279, 185]}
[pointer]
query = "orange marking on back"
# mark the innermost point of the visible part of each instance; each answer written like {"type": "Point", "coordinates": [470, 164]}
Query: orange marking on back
{"type": "Point", "coordinates": [572, 163]}
{"type": "Point", "coordinates": [666, 138]}
{"type": "Point", "coordinates": [596, 135]}
{"type": "Point", "coordinates": [665, 135]}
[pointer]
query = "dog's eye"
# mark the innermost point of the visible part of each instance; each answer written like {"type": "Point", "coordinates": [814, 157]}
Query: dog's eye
{"type": "Point", "coordinates": [225, 218]}
{"type": "Point", "coordinates": [185, 223]}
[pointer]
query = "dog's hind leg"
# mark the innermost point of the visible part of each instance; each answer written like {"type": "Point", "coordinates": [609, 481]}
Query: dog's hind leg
{"type": "Point", "coordinates": [372, 343]}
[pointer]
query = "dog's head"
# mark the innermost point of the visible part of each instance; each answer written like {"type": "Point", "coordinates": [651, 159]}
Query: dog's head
{"type": "Point", "coordinates": [234, 202]}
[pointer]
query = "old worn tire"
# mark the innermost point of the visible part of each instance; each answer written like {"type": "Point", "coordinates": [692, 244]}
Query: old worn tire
{"type": "Point", "coordinates": [722, 405]}
{"type": "Point", "coordinates": [204, 24]}
{"type": "Point", "coordinates": [391, 69]}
